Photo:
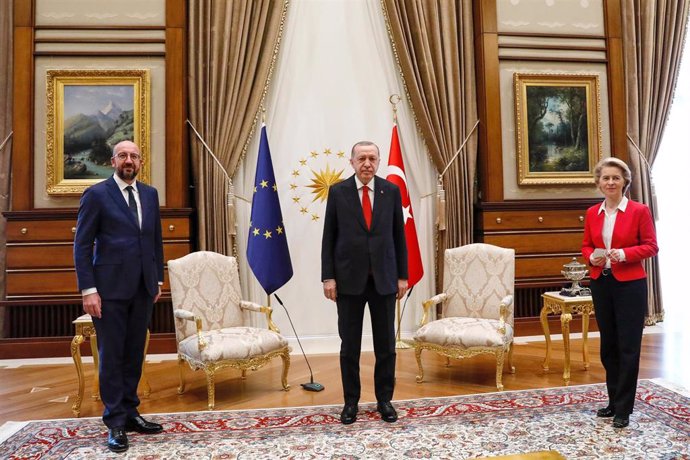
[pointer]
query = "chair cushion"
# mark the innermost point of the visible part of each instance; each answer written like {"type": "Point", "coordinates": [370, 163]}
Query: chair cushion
{"type": "Point", "coordinates": [232, 343]}
{"type": "Point", "coordinates": [464, 332]}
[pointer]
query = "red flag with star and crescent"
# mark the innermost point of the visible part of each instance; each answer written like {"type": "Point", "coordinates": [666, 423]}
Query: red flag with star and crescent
{"type": "Point", "coordinates": [396, 174]}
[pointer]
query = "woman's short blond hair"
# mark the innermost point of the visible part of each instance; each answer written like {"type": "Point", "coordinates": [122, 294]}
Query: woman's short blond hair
{"type": "Point", "coordinates": [617, 163]}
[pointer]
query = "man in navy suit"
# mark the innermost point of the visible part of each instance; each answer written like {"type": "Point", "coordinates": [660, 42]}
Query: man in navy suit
{"type": "Point", "coordinates": [364, 260]}
{"type": "Point", "coordinates": [118, 255]}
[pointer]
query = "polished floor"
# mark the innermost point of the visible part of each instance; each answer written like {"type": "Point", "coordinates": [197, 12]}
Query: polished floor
{"type": "Point", "coordinates": [47, 390]}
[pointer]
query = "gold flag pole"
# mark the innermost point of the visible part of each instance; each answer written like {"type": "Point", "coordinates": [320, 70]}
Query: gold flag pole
{"type": "Point", "coordinates": [394, 99]}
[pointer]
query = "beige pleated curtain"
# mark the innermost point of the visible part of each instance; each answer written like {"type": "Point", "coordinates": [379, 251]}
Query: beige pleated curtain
{"type": "Point", "coordinates": [654, 35]}
{"type": "Point", "coordinates": [232, 47]}
{"type": "Point", "coordinates": [434, 45]}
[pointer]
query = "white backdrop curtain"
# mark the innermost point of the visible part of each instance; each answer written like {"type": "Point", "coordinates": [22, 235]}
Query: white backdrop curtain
{"type": "Point", "coordinates": [330, 89]}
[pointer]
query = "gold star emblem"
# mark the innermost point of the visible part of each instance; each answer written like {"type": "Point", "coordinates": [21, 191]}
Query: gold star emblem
{"type": "Point", "coordinates": [295, 173]}
{"type": "Point", "coordinates": [303, 161]}
{"type": "Point", "coordinates": [314, 154]}
{"type": "Point", "coordinates": [255, 232]}
{"type": "Point", "coordinates": [303, 210]}
{"type": "Point", "coordinates": [293, 186]}
{"type": "Point", "coordinates": [295, 199]}
{"type": "Point", "coordinates": [314, 217]}
{"type": "Point", "coordinates": [327, 152]}
{"type": "Point", "coordinates": [275, 187]}
{"type": "Point", "coordinates": [267, 234]}
{"type": "Point", "coordinates": [255, 189]}
{"type": "Point", "coordinates": [341, 154]}
{"type": "Point", "coordinates": [322, 181]}
{"type": "Point", "coordinates": [264, 184]}
{"type": "Point", "coordinates": [279, 230]}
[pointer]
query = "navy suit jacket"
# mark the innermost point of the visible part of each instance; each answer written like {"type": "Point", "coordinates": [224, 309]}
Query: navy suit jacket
{"type": "Point", "coordinates": [111, 253]}
{"type": "Point", "coordinates": [349, 251]}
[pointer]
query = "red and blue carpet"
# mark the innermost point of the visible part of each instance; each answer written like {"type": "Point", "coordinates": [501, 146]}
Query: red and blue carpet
{"type": "Point", "coordinates": [460, 427]}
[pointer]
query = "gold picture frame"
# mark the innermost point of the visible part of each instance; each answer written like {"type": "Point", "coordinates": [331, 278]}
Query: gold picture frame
{"type": "Point", "coordinates": [88, 112]}
{"type": "Point", "coordinates": [558, 128]}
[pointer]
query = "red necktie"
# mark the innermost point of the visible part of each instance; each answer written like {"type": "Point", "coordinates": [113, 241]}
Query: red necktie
{"type": "Point", "coordinates": [366, 206]}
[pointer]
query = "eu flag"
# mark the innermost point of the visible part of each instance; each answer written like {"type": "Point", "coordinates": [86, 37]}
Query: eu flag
{"type": "Point", "coordinates": [267, 248]}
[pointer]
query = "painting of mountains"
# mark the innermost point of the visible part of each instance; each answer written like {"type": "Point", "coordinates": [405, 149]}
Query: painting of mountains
{"type": "Point", "coordinates": [96, 118]}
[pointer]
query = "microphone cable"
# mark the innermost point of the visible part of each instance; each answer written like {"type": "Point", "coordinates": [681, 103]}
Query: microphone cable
{"type": "Point", "coordinates": [402, 312]}
{"type": "Point", "coordinates": [311, 385]}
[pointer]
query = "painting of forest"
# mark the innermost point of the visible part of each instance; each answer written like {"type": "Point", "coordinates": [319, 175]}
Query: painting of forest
{"type": "Point", "coordinates": [557, 128]}
{"type": "Point", "coordinates": [96, 117]}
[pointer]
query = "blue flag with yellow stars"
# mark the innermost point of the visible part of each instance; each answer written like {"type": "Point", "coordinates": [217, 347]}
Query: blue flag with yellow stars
{"type": "Point", "coordinates": [267, 248]}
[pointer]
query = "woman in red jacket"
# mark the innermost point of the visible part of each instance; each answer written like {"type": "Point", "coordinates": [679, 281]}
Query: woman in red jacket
{"type": "Point", "coordinates": [619, 235]}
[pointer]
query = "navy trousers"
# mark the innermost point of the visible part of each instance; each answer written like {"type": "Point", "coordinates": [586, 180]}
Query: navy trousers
{"type": "Point", "coordinates": [620, 308]}
{"type": "Point", "coordinates": [121, 333]}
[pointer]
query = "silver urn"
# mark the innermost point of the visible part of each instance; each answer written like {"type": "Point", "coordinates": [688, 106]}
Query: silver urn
{"type": "Point", "coordinates": [574, 271]}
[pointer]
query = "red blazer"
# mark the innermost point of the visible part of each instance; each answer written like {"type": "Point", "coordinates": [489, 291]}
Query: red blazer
{"type": "Point", "coordinates": [633, 232]}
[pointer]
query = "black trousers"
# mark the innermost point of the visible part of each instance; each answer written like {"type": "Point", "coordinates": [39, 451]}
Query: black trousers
{"type": "Point", "coordinates": [620, 308]}
{"type": "Point", "coordinates": [121, 333]}
{"type": "Point", "coordinates": [350, 319]}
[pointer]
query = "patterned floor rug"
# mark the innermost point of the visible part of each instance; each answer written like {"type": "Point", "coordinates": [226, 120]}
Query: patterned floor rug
{"type": "Point", "coordinates": [460, 427]}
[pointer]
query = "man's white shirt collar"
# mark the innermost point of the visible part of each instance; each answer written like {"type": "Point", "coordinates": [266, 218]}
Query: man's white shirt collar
{"type": "Point", "coordinates": [621, 206]}
{"type": "Point", "coordinates": [360, 184]}
{"type": "Point", "coordinates": [122, 184]}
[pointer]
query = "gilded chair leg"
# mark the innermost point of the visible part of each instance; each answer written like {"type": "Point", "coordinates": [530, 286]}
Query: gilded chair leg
{"type": "Point", "coordinates": [418, 355]}
{"type": "Point", "coordinates": [447, 361]}
{"type": "Point", "coordinates": [180, 368]}
{"type": "Point", "coordinates": [211, 384]}
{"type": "Point", "coordinates": [510, 357]}
{"type": "Point", "coordinates": [285, 356]}
{"type": "Point", "coordinates": [244, 374]}
{"type": "Point", "coordinates": [500, 355]}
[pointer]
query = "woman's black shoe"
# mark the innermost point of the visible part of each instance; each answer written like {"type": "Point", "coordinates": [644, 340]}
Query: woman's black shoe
{"type": "Point", "coordinates": [620, 421]}
{"type": "Point", "coordinates": [606, 412]}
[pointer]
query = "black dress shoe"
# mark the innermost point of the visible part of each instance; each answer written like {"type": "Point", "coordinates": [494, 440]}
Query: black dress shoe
{"type": "Point", "coordinates": [606, 412]}
{"type": "Point", "coordinates": [349, 414]}
{"type": "Point", "coordinates": [117, 439]}
{"type": "Point", "coordinates": [621, 421]}
{"type": "Point", "coordinates": [140, 425]}
{"type": "Point", "coordinates": [387, 411]}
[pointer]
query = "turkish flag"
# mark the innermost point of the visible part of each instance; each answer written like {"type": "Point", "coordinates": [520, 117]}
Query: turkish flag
{"type": "Point", "coordinates": [396, 174]}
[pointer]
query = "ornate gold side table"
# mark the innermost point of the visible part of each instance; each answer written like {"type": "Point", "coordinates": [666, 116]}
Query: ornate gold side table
{"type": "Point", "coordinates": [83, 328]}
{"type": "Point", "coordinates": [566, 306]}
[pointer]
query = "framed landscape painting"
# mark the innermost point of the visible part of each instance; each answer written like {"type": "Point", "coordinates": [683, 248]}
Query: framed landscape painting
{"type": "Point", "coordinates": [89, 111]}
{"type": "Point", "coordinates": [558, 128]}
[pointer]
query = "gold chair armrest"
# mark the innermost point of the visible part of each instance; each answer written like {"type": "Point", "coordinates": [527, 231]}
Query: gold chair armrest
{"type": "Point", "coordinates": [504, 309]}
{"type": "Point", "coordinates": [268, 311]}
{"type": "Point", "coordinates": [427, 304]}
{"type": "Point", "coordinates": [189, 316]}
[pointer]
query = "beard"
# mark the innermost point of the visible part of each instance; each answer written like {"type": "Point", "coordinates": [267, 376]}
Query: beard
{"type": "Point", "coordinates": [127, 173]}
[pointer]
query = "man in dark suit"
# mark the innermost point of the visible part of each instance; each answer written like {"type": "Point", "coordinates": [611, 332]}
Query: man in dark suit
{"type": "Point", "coordinates": [118, 255]}
{"type": "Point", "coordinates": [364, 260]}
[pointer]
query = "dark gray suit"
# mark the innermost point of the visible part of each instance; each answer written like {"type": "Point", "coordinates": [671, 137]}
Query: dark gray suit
{"type": "Point", "coordinates": [366, 265]}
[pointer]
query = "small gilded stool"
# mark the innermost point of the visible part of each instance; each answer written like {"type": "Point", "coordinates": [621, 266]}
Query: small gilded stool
{"type": "Point", "coordinates": [83, 328]}
{"type": "Point", "coordinates": [554, 302]}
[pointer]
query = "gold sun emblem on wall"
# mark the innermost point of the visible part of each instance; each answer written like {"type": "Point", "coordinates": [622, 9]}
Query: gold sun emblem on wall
{"type": "Point", "coordinates": [320, 170]}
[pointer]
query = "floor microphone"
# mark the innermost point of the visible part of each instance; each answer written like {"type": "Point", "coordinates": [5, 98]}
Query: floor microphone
{"type": "Point", "coordinates": [402, 313]}
{"type": "Point", "coordinates": [311, 385]}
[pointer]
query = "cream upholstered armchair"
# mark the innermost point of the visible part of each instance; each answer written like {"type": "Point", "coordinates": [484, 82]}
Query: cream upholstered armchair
{"type": "Point", "coordinates": [477, 307]}
{"type": "Point", "coordinates": [210, 320]}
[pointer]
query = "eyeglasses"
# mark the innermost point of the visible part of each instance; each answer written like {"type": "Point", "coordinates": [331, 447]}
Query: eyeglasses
{"type": "Point", "coordinates": [123, 156]}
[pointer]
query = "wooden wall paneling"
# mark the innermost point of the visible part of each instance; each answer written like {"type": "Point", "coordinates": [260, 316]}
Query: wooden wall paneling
{"type": "Point", "coordinates": [177, 156]}
{"type": "Point", "coordinates": [490, 155]}
{"type": "Point", "coordinates": [616, 79]}
{"type": "Point", "coordinates": [537, 242]}
{"type": "Point", "coordinates": [22, 108]}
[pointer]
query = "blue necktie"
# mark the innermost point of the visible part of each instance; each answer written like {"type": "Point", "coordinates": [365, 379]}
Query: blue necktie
{"type": "Point", "coordinates": [132, 203]}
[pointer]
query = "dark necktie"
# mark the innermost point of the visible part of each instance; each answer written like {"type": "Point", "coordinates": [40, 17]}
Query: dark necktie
{"type": "Point", "coordinates": [132, 203]}
{"type": "Point", "coordinates": [366, 206]}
